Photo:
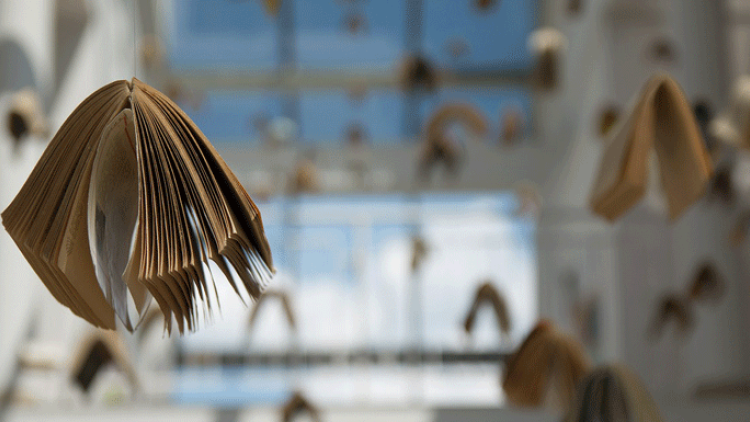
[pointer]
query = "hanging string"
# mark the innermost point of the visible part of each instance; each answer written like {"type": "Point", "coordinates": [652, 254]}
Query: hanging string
{"type": "Point", "coordinates": [135, 50]}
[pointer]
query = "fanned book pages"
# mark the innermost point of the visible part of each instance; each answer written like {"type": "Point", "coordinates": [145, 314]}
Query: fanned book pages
{"type": "Point", "coordinates": [613, 393]}
{"type": "Point", "coordinates": [663, 120]}
{"type": "Point", "coordinates": [130, 201]}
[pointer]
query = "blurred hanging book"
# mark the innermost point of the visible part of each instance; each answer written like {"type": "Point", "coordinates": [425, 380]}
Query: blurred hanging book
{"type": "Point", "coordinates": [441, 144]}
{"type": "Point", "coordinates": [99, 349]}
{"type": "Point", "coordinates": [613, 393]}
{"type": "Point", "coordinates": [707, 285]}
{"type": "Point", "coordinates": [298, 405]}
{"type": "Point", "coordinates": [547, 44]}
{"type": "Point", "coordinates": [130, 201]}
{"type": "Point", "coordinates": [283, 298]}
{"type": "Point", "coordinates": [732, 127]}
{"type": "Point", "coordinates": [488, 295]}
{"type": "Point", "coordinates": [545, 370]}
{"type": "Point", "coordinates": [661, 120]}
{"type": "Point", "coordinates": [26, 116]}
{"type": "Point", "coordinates": [672, 308]}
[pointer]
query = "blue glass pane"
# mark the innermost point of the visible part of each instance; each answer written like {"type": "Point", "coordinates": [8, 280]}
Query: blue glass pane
{"type": "Point", "coordinates": [326, 115]}
{"type": "Point", "coordinates": [492, 102]}
{"type": "Point", "coordinates": [325, 42]}
{"type": "Point", "coordinates": [275, 236]}
{"type": "Point", "coordinates": [227, 118]}
{"type": "Point", "coordinates": [220, 33]}
{"type": "Point", "coordinates": [492, 39]}
{"type": "Point", "coordinates": [323, 253]}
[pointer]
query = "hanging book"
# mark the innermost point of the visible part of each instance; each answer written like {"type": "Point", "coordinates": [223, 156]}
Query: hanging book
{"type": "Point", "coordinates": [488, 295]}
{"type": "Point", "coordinates": [98, 350]}
{"type": "Point", "coordinates": [272, 7]}
{"type": "Point", "coordinates": [661, 120]}
{"type": "Point", "coordinates": [547, 45]}
{"type": "Point", "coordinates": [130, 201]}
{"type": "Point", "coordinates": [613, 393]}
{"type": "Point", "coordinates": [722, 185]}
{"type": "Point", "coordinates": [574, 7]}
{"type": "Point", "coordinates": [305, 177]}
{"type": "Point", "coordinates": [419, 252]}
{"type": "Point", "coordinates": [662, 51]}
{"type": "Point", "coordinates": [733, 126]}
{"type": "Point", "coordinates": [299, 405]}
{"type": "Point", "coordinates": [356, 134]}
{"type": "Point", "coordinates": [355, 24]}
{"type": "Point", "coordinates": [281, 297]}
{"type": "Point", "coordinates": [484, 5]}
{"type": "Point", "coordinates": [607, 120]}
{"type": "Point", "coordinates": [440, 144]}
{"type": "Point", "coordinates": [25, 116]}
{"type": "Point", "coordinates": [416, 72]}
{"type": "Point", "coordinates": [738, 233]}
{"type": "Point", "coordinates": [545, 369]}
{"type": "Point", "coordinates": [707, 285]}
{"type": "Point", "coordinates": [670, 308]}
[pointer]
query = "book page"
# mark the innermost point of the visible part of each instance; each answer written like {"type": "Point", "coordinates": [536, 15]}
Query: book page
{"type": "Point", "coordinates": [685, 167]}
{"type": "Point", "coordinates": [611, 173]}
{"type": "Point", "coordinates": [112, 216]}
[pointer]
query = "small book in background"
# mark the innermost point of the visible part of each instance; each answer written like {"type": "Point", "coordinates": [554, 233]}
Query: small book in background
{"type": "Point", "coordinates": [732, 127]}
{"type": "Point", "coordinates": [280, 296]}
{"type": "Point", "coordinates": [707, 285]}
{"type": "Point", "coordinates": [661, 120]}
{"type": "Point", "coordinates": [26, 116]}
{"type": "Point", "coordinates": [488, 295]}
{"type": "Point", "coordinates": [738, 233]}
{"type": "Point", "coordinates": [299, 405]}
{"type": "Point", "coordinates": [440, 144]}
{"type": "Point", "coordinates": [547, 44]}
{"type": "Point", "coordinates": [130, 201]}
{"type": "Point", "coordinates": [98, 350]}
{"type": "Point", "coordinates": [272, 7]}
{"type": "Point", "coordinates": [672, 307]}
{"type": "Point", "coordinates": [416, 72]}
{"type": "Point", "coordinates": [419, 252]}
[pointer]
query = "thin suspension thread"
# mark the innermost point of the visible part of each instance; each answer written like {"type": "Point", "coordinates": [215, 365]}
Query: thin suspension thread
{"type": "Point", "coordinates": [135, 50]}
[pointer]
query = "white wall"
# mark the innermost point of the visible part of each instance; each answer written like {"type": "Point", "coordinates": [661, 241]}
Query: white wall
{"type": "Point", "coordinates": [105, 53]}
{"type": "Point", "coordinates": [644, 255]}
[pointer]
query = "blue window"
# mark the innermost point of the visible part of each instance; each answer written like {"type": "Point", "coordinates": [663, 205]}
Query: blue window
{"type": "Point", "coordinates": [459, 35]}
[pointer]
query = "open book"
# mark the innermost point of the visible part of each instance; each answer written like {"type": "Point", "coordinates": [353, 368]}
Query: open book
{"type": "Point", "coordinates": [130, 201]}
{"type": "Point", "coordinates": [662, 120]}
